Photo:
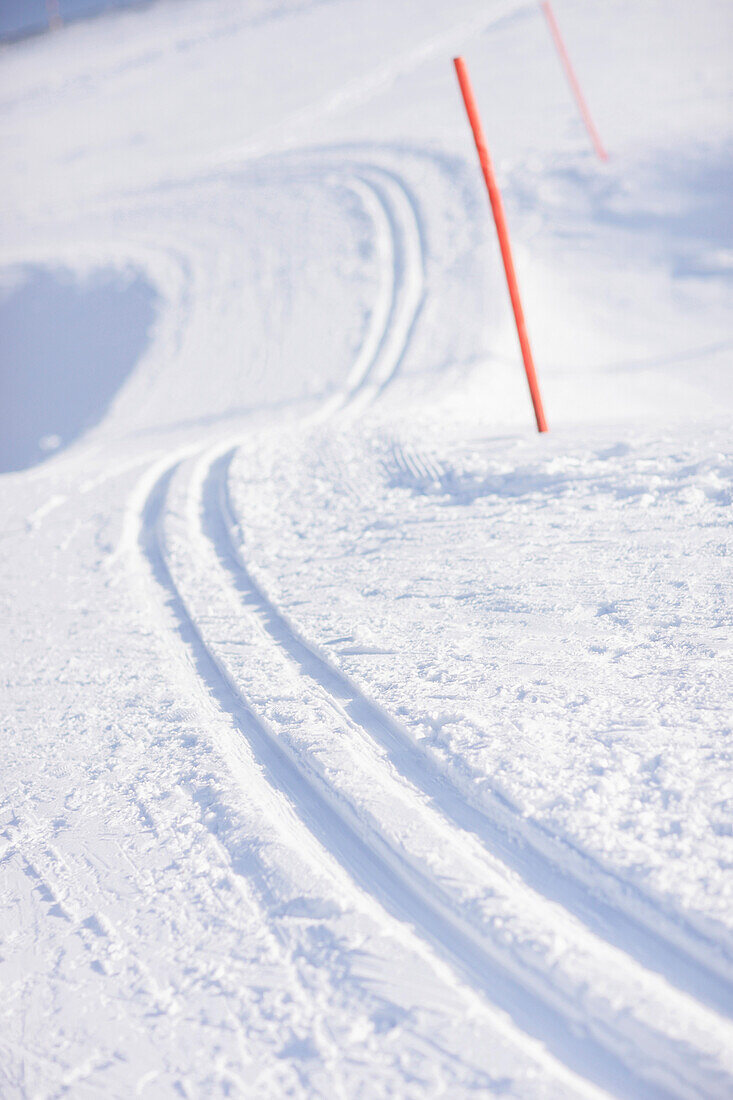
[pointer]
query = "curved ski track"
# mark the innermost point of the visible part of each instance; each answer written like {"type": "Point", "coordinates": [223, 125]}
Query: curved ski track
{"type": "Point", "coordinates": [400, 254]}
{"type": "Point", "coordinates": [539, 858]}
{"type": "Point", "coordinates": [464, 883]}
{"type": "Point", "coordinates": [665, 941]}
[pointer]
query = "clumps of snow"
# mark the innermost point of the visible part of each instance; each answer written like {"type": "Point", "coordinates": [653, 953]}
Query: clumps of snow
{"type": "Point", "coordinates": [584, 676]}
{"type": "Point", "coordinates": [623, 472]}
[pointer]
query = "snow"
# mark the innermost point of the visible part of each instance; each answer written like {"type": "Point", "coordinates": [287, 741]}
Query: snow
{"type": "Point", "coordinates": [357, 740]}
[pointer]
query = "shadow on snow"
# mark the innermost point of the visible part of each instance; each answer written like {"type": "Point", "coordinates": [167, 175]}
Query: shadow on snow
{"type": "Point", "coordinates": [66, 347]}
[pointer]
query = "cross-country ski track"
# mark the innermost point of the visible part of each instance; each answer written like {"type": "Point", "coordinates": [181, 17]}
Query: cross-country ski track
{"type": "Point", "coordinates": [242, 671]}
{"type": "Point", "coordinates": [395, 825]}
{"type": "Point", "coordinates": [363, 743]}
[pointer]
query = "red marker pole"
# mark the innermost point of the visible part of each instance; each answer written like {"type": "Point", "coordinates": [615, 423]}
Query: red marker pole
{"type": "Point", "coordinates": [54, 14]}
{"type": "Point", "coordinates": [572, 79]}
{"type": "Point", "coordinates": [497, 208]}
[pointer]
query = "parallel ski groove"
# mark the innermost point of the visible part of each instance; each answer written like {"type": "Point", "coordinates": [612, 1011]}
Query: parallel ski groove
{"type": "Point", "coordinates": [217, 527]}
{"type": "Point", "coordinates": [374, 867]}
{"type": "Point", "coordinates": [401, 293]}
{"type": "Point", "coordinates": [663, 942]}
{"type": "Point", "coordinates": [598, 1052]}
{"type": "Point", "coordinates": [524, 846]}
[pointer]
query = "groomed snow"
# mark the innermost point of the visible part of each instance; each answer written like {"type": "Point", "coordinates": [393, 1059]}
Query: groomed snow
{"type": "Point", "coordinates": [358, 741]}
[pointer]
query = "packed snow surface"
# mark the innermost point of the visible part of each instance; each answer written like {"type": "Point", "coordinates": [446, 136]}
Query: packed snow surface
{"type": "Point", "coordinates": [358, 741]}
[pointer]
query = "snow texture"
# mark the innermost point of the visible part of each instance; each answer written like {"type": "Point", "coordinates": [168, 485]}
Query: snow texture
{"type": "Point", "coordinates": [358, 741]}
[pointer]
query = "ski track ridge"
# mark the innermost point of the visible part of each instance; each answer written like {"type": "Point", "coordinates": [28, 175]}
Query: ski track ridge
{"type": "Point", "coordinates": [370, 861]}
{"type": "Point", "coordinates": [676, 949]}
{"type": "Point", "coordinates": [399, 245]}
{"type": "Point", "coordinates": [216, 519]}
{"type": "Point", "coordinates": [615, 909]}
{"type": "Point", "coordinates": [406, 895]}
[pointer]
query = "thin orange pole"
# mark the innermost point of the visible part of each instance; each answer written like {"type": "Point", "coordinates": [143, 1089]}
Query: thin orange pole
{"type": "Point", "coordinates": [497, 208]}
{"type": "Point", "coordinates": [54, 14]}
{"type": "Point", "coordinates": [595, 137]}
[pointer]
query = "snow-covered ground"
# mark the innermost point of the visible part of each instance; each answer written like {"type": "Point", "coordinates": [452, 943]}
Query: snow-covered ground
{"type": "Point", "coordinates": [357, 740]}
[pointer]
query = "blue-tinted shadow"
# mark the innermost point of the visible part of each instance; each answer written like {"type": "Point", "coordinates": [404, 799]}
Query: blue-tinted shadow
{"type": "Point", "coordinates": [23, 17]}
{"type": "Point", "coordinates": [66, 347]}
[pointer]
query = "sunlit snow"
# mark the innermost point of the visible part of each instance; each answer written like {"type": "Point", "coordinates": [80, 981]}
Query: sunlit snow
{"type": "Point", "coordinates": [358, 740]}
